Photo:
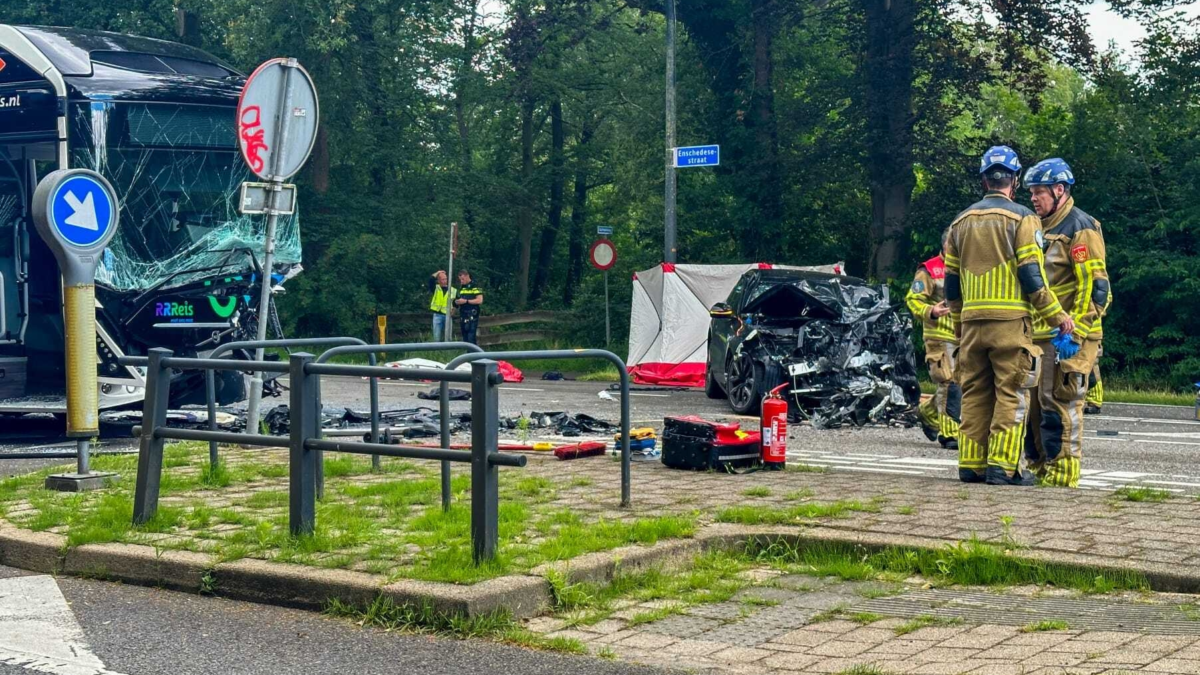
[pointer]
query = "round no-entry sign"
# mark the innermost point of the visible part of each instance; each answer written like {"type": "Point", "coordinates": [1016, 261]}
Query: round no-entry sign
{"type": "Point", "coordinates": [277, 119]}
{"type": "Point", "coordinates": [603, 254]}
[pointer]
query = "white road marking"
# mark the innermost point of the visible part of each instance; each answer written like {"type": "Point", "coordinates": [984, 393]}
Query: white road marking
{"type": "Point", "coordinates": [651, 395]}
{"type": "Point", "coordinates": [519, 389]}
{"type": "Point", "coordinates": [1142, 420]}
{"type": "Point", "coordinates": [39, 632]}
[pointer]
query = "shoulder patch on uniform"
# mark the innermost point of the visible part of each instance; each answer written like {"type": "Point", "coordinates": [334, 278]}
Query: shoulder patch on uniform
{"type": "Point", "coordinates": [1040, 238]}
{"type": "Point", "coordinates": [1079, 253]}
{"type": "Point", "coordinates": [918, 286]}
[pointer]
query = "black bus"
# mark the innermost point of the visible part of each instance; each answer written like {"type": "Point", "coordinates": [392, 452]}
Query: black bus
{"type": "Point", "coordinates": [157, 119]}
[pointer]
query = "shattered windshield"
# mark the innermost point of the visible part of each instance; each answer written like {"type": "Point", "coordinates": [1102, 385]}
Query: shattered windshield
{"type": "Point", "coordinates": [177, 174]}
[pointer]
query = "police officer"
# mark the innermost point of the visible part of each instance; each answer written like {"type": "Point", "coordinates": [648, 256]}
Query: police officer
{"type": "Point", "coordinates": [926, 299]}
{"type": "Point", "coordinates": [995, 283]}
{"type": "Point", "coordinates": [1075, 271]}
{"type": "Point", "coordinates": [470, 297]}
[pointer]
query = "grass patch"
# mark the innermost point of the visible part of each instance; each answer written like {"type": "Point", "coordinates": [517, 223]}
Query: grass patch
{"type": "Point", "coordinates": [924, 621]}
{"type": "Point", "coordinates": [1041, 626]}
{"type": "Point", "coordinates": [798, 495]}
{"type": "Point", "coordinates": [874, 592]}
{"type": "Point", "coordinates": [652, 615]}
{"type": "Point", "coordinates": [757, 491]}
{"type": "Point", "coordinates": [1147, 396]}
{"type": "Point", "coordinates": [606, 374]}
{"type": "Point", "coordinates": [581, 481]}
{"type": "Point", "coordinates": [864, 669]}
{"type": "Point", "coordinates": [831, 614]}
{"type": "Point", "coordinates": [864, 618]}
{"type": "Point", "coordinates": [753, 515]}
{"type": "Point", "coordinates": [805, 468]}
{"type": "Point", "coordinates": [386, 614]}
{"type": "Point", "coordinates": [1138, 493]}
{"type": "Point", "coordinates": [969, 563]}
{"type": "Point", "coordinates": [755, 601]}
{"type": "Point", "coordinates": [906, 510]}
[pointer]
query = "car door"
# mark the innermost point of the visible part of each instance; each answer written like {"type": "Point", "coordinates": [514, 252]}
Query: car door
{"type": "Point", "coordinates": [722, 326]}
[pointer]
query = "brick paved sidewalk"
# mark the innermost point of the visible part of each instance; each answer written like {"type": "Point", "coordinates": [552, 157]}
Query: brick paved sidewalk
{"type": "Point", "coordinates": [793, 623]}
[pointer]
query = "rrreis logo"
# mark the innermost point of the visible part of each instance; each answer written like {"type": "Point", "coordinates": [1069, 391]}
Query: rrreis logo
{"type": "Point", "coordinates": [2, 64]}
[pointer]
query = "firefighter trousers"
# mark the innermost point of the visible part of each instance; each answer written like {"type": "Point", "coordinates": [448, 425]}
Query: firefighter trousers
{"type": "Point", "coordinates": [1095, 395]}
{"type": "Point", "coordinates": [997, 367]}
{"type": "Point", "coordinates": [1054, 448]}
{"type": "Point", "coordinates": [943, 411]}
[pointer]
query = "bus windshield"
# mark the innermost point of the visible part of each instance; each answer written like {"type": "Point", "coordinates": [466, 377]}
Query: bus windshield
{"type": "Point", "coordinates": [177, 173]}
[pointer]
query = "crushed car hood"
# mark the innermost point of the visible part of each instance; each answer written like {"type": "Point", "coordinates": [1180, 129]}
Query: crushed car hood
{"type": "Point", "coordinates": [845, 348]}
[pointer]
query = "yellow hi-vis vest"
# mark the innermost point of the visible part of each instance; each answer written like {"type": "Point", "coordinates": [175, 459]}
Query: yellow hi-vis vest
{"type": "Point", "coordinates": [441, 297]}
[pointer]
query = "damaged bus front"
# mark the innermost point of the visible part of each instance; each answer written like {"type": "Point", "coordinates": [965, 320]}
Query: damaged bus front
{"type": "Point", "coordinates": [157, 119]}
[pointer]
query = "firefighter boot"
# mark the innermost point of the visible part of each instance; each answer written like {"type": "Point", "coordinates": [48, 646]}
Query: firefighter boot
{"type": "Point", "coordinates": [997, 366]}
{"type": "Point", "coordinates": [1056, 416]}
{"type": "Point", "coordinates": [1095, 395]}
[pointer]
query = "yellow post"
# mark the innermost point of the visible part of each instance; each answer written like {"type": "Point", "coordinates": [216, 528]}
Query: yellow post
{"type": "Point", "coordinates": [79, 326]}
{"type": "Point", "coordinates": [381, 324]}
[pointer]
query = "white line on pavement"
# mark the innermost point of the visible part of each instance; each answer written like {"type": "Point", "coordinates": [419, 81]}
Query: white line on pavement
{"type": "Point", "coordinates": [39, 632]}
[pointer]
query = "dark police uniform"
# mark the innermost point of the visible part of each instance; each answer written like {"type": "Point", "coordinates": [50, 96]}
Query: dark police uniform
{"type": "Point", "coordinates": [469, 314]}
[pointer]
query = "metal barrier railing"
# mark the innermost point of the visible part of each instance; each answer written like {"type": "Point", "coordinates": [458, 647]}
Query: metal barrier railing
{"type": "Point", "coordinates": [210, 387]}
{"type": "Point", "coordinates": [304, 440]}
{"type": "Point", "coordinates": [407, 347]}
{"type": "Point", "coordinates": [444, 398]}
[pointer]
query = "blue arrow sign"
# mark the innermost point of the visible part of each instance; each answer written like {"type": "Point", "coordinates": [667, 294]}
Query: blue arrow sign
{"type": "Point", "coordinates": [82, 211]}
{"type": "Point", "coordinates": [698, 155]}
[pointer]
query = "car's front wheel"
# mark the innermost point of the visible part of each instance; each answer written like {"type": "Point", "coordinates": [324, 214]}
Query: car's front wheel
{"type": "Point", "coordinates": [744, 384]}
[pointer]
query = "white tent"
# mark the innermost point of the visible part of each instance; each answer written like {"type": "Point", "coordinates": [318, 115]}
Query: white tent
{"type": "Point", "coordinates": [668, 323]}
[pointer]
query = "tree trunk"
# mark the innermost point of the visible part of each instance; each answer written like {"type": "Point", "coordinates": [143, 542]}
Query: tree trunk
{"type": "Point", "coordinates": [888, 65]}
{"type": "Point", "coordinates": [318, 165]}
{"type": "Point", "coordinates": [578, 213]}
{"type": "Point", "coordinates": [525, 209]}
{"type": "Point", "coordinates": [558, 178]}
{"type": "Point", "coordinates": [768, 196]}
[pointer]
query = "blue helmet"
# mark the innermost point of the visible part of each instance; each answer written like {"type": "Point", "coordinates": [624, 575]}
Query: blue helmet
{"type": "Point", "coordinates": [1002, 156]}
{"type": "Point", "coordinates": [1050, 172]}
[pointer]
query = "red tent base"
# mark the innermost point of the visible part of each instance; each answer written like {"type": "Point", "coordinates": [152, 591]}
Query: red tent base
{"type": "Point", "coordinates": [669, 374]}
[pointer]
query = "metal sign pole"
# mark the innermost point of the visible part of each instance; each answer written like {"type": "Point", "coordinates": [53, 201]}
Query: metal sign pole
{"type": "Point", "coordinates": [669, 247]}
{"type": "Point", "coordinates": [449, 329]}
{"type": "Point", "coordinates": [264, 305]}
{"type": "Point", "coordinates": [607, 333]}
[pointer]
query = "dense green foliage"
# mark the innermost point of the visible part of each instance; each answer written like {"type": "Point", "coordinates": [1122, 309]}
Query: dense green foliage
{"type": "Point", "coordinates": [850, 131]}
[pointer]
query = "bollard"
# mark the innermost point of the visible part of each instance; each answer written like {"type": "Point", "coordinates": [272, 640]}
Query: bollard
{"type": "Point", "coordinates": [305, 423]}
{"type": "Point", "coordinates": [150, 451]}
{"type": "Point", "coordinates": [485, 439]}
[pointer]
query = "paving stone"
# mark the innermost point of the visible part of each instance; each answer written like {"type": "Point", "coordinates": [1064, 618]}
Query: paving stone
{"type": "Point", "coordinates": [840, 648]}
{"type": "Point", "coordinates": [740, 655]}
{"type": "Point", "coordinates": [545, 624]}
{"type": "Point", "coordinates": [800, 582]}
{"type": "Point", "coordinates": [870, 635]}
{"type": "Point", "coordinates": [944, 654]}
{"type": "Point", "coordinates": [605, 627]}
{"type": "Point", "coordinates": [902, 647]}
{"type": "Point", "coordinates": [1062, 659]}
{"type": "Point", "coordinates": [741, 635]}
{"type": "Point", "coordinates": [945, 668]}
{"type": "Point", "coordinates": [999, 669]}
{"type": "Point", "coordinates": [836, 627]}
{"type": "Point", "coordinates": [937, 633]}
{"type": "Point", "coordinates": [836, 665]}
{"type": "Point", "coordinates": [1125, 655]}
{"type": "Point", "coordinates": [695, 647]}
{"type": "Point", "coordinates": [722, 610]}
{"type": "Point", "coordinates": [789, 661]}
{"type": "Point", "coordinates": [805, 637]}
{"type": "Point", "coordinates": [1083, 647]}
{"type": "Point", "coordinates": [1163, 643]}
{"type": "Point", "coordinates": [821, 600]}
{"type": "Point", "coordinates": [646, 640]}
{"type": "Point", "coordinates": [683, 626]}
{"type": "Point", "coordinates": [1011, 652]}
{"type": "Point", "coordinates": [572, 635]}
{"type": "Point", "coordinates": [1171, 665]}
{"type": "Point", "coordinates": [1045, 640]}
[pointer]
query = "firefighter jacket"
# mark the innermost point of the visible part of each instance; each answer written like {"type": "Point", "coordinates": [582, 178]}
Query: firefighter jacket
{"type": "Point", "coordinates": [1075, 271]}
{"type": "Point", "coordinates": [994, 264]}
{"type": "Point", "coordinates": [928, 289]}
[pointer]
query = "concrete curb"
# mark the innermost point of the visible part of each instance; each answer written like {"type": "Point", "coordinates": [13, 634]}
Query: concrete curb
{"type": "Point", "coordinates": [141, 565]}
{"type": "Point", "coordinates": [523, 596]}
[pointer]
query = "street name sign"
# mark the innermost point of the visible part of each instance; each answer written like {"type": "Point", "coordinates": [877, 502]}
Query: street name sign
{"type": "Point", "coordinates": [697, 155]}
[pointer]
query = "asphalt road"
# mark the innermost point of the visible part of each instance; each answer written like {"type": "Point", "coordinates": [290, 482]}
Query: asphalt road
{"type": "Point", "coordinates": [78, 627]}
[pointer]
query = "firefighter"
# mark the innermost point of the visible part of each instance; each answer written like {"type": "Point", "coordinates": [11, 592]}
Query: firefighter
{"type": "Point", "coordinates": [995, 284]}
{"type": "Point", "coordinates": [927, 299]}
{"type": "Point", "coordinates": [1075, 271]}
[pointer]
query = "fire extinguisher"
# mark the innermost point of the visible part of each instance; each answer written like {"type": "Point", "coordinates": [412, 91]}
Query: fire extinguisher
{"type": "Point", "coordinates": [774, 430]}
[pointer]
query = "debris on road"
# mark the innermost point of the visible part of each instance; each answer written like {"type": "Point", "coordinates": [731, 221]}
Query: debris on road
{"type": "Point", "coordinates": [562, 423]}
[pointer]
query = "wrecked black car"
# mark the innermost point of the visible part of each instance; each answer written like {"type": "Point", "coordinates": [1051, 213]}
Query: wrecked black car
{"type": "Point", "coordinates": [845, 350]}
